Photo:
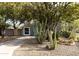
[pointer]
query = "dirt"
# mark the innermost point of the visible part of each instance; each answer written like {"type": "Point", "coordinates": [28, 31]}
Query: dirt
{"type": "Point", "coordinates": [29, 48]}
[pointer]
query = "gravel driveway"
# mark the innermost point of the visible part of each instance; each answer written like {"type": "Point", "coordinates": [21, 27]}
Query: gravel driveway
{"type": "Point", "coordinates": [30, 48]}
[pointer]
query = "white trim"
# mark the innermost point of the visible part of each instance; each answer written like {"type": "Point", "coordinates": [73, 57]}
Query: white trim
{"type": "Point", "coordinates": [24, 31]}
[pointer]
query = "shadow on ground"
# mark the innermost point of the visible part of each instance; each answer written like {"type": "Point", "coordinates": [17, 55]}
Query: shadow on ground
{"type": "Point", "coordinates": [31, 48]}
{"type": "Point", "coordinates": [16, 41]}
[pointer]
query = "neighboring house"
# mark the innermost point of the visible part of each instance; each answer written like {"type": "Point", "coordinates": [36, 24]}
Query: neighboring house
{"type": "Point", "coordinates": [27, 29]}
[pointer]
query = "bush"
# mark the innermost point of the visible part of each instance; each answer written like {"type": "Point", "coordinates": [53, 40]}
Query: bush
{"type": "Point", "coordinates": [78, 39]}
{"type": "Point", "coordinates": [65, 34]}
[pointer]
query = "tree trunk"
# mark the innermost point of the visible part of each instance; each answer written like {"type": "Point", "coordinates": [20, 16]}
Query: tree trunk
{"type": "Point", "coordinates": [15, 29]}
{"type": "Point", "coordinates": [51, 46]}
{"type": "Point", "coordinates": [2, 33]}
{"type": "Point", "coordinates": [50, 38]}
{"type": "Point", "coordinates": [55, 39]}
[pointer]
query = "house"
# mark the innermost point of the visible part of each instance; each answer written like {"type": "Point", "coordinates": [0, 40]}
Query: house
{"type": "Point", "coordinates": [27, 29]}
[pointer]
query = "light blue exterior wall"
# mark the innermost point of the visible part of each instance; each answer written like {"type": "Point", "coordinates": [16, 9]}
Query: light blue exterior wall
{"type": "Point", "coordinates": [33, 27]}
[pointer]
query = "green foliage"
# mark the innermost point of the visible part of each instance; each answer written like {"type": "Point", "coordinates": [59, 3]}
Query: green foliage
{"type": "Point", "coordinates": [40, 32]}
{"type": "Point", "coordinates": [54, 13]}
{"type": "Point", "coordinates": [3, 24]}
{"type": "Point", "coordinates": [73, 35]}
{"type": "Point", "coordinates": [78, 39]}
{"type": "Point", "coordinates": [65, 34]}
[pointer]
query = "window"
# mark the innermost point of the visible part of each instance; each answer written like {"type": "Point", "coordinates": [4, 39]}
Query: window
{"type": "Point", "coordinates": [27, 31]}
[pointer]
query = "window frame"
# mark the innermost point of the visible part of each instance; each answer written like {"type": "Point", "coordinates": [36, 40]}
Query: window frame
{"type": "Point", "coordinates": [24, 31]}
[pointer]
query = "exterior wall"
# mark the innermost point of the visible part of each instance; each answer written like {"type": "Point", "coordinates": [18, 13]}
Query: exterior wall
{"type": "Point", "coordinates": [20, 32]}
{"type": "Point", "coordinates": [10, 32]}
{"type": "Point", "coordinates": [33, 30]}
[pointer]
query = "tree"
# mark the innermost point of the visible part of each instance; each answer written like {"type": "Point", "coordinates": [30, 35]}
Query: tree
{"type": "Point", "coordinates": [18, 12]}
{"type": "Point", "coordinates": [3, 19]}
{"type": "Point", "coordinates": [52, 14]}
{"type": "Point", "coordinates": [3, 26]}
{"type": "Point", "coordinates": [13, 14]}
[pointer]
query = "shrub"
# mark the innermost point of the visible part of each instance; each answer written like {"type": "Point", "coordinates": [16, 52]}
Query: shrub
{"type": "Point", "coordinates": [78, 39]}
{"type": "Point", "coordinates": [73, 36]}
{"type": "Point", "coordinates": [65, 34]}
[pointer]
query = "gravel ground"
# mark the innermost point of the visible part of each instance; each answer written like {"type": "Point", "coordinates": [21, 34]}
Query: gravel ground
{"type": "Point", "coordinates": [30, 48]}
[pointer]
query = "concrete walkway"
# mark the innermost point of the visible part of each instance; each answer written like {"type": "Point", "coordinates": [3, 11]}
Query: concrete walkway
{"type": "Point", "coordinates": [7, 48]}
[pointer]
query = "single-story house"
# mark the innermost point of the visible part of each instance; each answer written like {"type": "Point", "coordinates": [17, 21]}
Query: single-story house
{"type": "Point", "coordinates": [27, 29]}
